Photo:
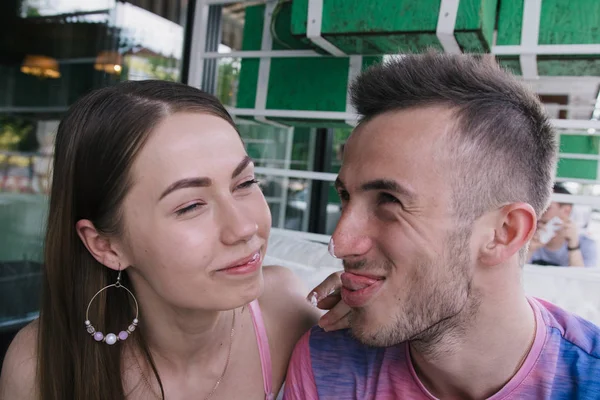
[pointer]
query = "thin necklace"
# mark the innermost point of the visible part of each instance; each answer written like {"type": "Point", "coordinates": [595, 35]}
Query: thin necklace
{"type": "Point", "coordinates": [524, 357]}
{"type": "Point", "coordinates": [214, 389]}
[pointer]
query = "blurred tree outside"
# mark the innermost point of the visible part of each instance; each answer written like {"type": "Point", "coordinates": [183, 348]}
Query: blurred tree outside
{"type": "Point", "coordinates": [17, 134]}
{"type": "Point", "coordinates": [227, 80]}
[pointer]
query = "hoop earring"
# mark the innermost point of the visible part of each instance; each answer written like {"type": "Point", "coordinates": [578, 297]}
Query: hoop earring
{"type": "Point", "coordinates": [111, 338]}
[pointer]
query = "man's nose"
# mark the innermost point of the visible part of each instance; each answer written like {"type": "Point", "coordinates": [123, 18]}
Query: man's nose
{"type": "Point", "coordinates": [350, 238]}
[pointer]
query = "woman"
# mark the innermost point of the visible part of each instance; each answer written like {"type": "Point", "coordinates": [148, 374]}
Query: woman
{"type": "Point", "coordinates": [153, 282]}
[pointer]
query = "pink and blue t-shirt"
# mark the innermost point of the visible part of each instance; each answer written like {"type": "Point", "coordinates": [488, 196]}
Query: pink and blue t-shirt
{"type": "Point", "coordinates": [563, 363]}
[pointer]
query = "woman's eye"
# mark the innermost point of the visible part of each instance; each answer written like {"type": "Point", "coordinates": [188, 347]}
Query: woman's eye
{"type": "Point", "coordinates": [386, 198]}
{"type": "Point", "coordinates": [188, 209]}
{"type": "Point", "coordinates": [248, 184]}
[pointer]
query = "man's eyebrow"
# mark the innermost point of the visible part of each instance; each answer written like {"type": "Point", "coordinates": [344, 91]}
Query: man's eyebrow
{"type": "Point", "coordinates": [186, 183]}
{"type": "Point", "coordinates": [389, 185]}
{"type": "Point", "coordinates": [241, 166]}
{"type": "Point", "coordinates": [338, 184]}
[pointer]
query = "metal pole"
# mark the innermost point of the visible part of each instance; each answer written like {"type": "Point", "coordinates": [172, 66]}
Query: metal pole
{"type": "Point", "coordinates": [213, 39]}
{"type": "Point", "coordinates": [320, 190]}
{"type": "Point", "coordinates": [198, 46]}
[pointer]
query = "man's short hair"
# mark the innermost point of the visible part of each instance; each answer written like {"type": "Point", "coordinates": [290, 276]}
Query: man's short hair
{"type": "Point", "coordinates": [503, 148]}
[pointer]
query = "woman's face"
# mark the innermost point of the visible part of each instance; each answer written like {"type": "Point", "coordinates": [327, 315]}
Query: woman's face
{"type": "Point", "coordinates": [196, 222]}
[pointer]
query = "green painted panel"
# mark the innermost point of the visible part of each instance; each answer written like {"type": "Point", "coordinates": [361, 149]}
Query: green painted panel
{"type": "Point", "coordinates": [569, 66]}
{"type": "Point", "coordinates": [403, 43]}
{"type": "Point", "coordinates": [561, 22]}
{"type": "Point", "coordinates": [384, 44]}
{"type": "Point", "coordinates": [283, 39]}
{"type": "Point", "coordinates": [489, 11]}
{"type": "Point", "coordinates": [510, 22]}
{"type": "Point", "coordinates": [249, 66]}
{"type": "Point", "coordinates": [248, 81]}
{"type": "Point", "coordinates": [512, 64]}
{"type": "Point", "coordinates": [579, 144]}
{"type": "Point", "coordinates": [390, 26]}
{"type": "Point", "coordinates": [301, 149]}
{"type": "Point", "coordinates": [557, 66]}
{"type": "Point", "coordinates": [310, 123]}
{"type": "Point", "coordinates": [308, 84]}
{"type": "Point", "coordinates": [313, 84]}
{"type": "Point", "coordinates": [354, 16]}
{"type": "Point", "coordinates": [368, 61]}
{"type": "Point", "coordinates": [471, 42]}
{"type": "Point", "coordinates": [570, 22]}
{"type": "Point", "coordinates": [579, 169]}
{"type": "Point", "coordinates": [367, 16]}
{"type": "Point", "coordinates": [254, 21]}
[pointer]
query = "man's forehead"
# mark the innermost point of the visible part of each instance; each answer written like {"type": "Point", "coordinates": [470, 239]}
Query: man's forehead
{"type": "Point", "coordinates": [414, 129]}
{"type": "Point", "coordinates": [402, 146]}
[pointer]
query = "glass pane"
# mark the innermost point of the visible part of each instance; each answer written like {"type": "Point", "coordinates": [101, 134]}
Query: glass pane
{"type": "Point", "coordinates": [275, 147]}
{"type": "Point", "coordinates": [228, 75]}
{"type": "Point", "coordinates": [152, 45]}
{"type": "Point", "coordinates": [340, 135]}
{"type": "Point", "coordinates": [334, 209]}
{"type": "Point", "coordinates": [37, 8]}
{"type": "Point", "coordinates": [282, 149]}
{"type": "Point", "coordinates": [62, 49]}
{"type": "Point", "coordinates": [288, 199]}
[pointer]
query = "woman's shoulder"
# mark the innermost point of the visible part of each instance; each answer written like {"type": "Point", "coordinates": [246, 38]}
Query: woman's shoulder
{"type": "Point", "coordinates": [287, 315]}
{"type": "Point", "coordinates": [19, 368]}
{"type": "Point", "coordinates": [284, 297]}
{"type": "Point", "coordinates": [287, 312]}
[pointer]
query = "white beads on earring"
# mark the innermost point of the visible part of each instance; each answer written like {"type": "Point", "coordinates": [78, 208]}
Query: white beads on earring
{"type": "Point", "coordinates": [111, 338]}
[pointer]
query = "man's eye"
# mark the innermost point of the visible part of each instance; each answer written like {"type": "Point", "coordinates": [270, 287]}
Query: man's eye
{"type": "Point", "coordinates": [386, 198]}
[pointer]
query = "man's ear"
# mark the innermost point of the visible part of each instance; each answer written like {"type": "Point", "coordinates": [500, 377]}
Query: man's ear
{"type": "Point", "coordinates": [513, 227]}
{"type": "Point", "coordinates": [101, 247]}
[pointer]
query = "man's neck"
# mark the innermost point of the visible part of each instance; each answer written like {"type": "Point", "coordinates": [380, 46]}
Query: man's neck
{"type": "Point", "coordinates": [477, 358]}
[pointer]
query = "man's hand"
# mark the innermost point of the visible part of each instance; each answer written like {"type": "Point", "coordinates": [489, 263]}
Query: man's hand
{"type": "Point", "coordinates": [571, 233]}
{"type": "Point", "coordinates": [326, 296]}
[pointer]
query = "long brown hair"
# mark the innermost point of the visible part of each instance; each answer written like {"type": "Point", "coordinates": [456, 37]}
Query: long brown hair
{"type": "Point", "coordinates": [96, 144]}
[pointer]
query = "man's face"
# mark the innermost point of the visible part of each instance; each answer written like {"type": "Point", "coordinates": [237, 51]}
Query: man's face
{"type": "Point", "coordinates": [563, 211]}
{"type": "Point", "coordinates": [407, 264]}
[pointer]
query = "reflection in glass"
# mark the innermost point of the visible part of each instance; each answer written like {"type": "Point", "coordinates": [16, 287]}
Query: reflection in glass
{"type": "Point", "coordinates": [58, 50]}
{"type": "Point", "coordinates": [228, 75]}
{"type": "Point", "coordinates": [38, 8]}
{"type": "Point", "coordinates": [286, 149]}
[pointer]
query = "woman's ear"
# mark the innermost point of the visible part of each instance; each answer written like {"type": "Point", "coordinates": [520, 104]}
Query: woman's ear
{"type": "Point", "coordinates": [514, 226]}
{"type": "Point", "coordinates": [101, 247]}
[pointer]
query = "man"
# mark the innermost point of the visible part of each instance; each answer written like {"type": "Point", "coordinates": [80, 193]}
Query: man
{"type": "Point", "coordinates": [564, 246]}
{"type": "Point", "coordinates": [441, 185]}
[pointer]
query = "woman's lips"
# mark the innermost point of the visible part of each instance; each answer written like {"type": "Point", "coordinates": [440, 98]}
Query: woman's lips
{"type": "Point", "coordinates": [247, 266]}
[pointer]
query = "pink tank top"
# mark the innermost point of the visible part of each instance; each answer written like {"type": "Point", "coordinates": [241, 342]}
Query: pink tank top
{"type": "Point", "coordinates": [263, 348]}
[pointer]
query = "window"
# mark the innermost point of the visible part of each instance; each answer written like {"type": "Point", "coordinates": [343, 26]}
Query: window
{"type": "Point", "coordinates": [60, 50]}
